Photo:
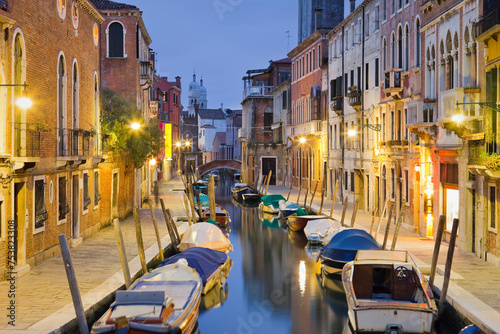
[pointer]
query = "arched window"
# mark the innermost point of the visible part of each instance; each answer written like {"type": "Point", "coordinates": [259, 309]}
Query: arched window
{"type": "Point", "coordinates": [407, 48]}
{"type": "Point", "coordinates": [418, 40]}
{"type": "Point", "coordinates": [75, 100]}
{"type": "Point", "coordinates": [467, 79]}
{"type": "Point", "coordinates": [115, 40]}
{"type": "Point", "coordinates": [97, 126]}
{"type": "Point", "coordinates": [393, 51]}
{"type": "Point", "coordinates": [400, 47]}
{"type": "Point", "coordinates": [61, 105]}
{"type": "Point", "coordinates": [384, 54]}
{"type": "Point", "coordinates": [19, 78]}
{"type": "Point", "coordinates": [449, 60]}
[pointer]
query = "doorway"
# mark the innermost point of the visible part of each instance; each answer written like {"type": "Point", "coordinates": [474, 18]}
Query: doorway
{"type": "Point", "coordinates": [269, 164]}
{"type": "Point", "coordinates": [75, 231]}
{"type": "Point", "coordinates": [20, 223]}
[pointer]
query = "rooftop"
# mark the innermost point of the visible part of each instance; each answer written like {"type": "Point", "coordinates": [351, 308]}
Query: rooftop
{"type": "Point", "coordinates": [108, 4]}
{"type": "Point", "coordinates": [212, 113]}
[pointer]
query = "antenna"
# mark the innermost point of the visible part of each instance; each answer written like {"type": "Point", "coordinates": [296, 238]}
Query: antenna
{"type": "Point", "coordinates": [287, 40]}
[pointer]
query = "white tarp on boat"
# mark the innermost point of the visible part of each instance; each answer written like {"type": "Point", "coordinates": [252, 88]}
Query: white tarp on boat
{"type": "Point", "coordinates": [326, 227]}
{"type": "Point", "coordinates": [205, 235]}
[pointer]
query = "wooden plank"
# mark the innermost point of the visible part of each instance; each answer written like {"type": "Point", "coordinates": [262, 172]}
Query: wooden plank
{"type": "Point", "coordinates": [140, 243]}
{"type": "Point", "coordinates": [122, 252]}
{"type": "Point", "coordinates": [157, 232]}
{"type": "Point", "coordinates": [333, 199]}
{"type": "Point", "coordinates": [398, 226]}
{"type": "Point", "coordinates": [73, 285]}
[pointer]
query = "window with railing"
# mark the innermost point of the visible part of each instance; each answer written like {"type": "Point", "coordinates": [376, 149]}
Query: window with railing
{"type": "Point", "coordinates": [97, 193]}
{"type": "Point", "coordinates": [41, 214]}
{"type": "Point", "coordinates": [63, 201]}
{"type": "Point", "coordinates": [86, 196]}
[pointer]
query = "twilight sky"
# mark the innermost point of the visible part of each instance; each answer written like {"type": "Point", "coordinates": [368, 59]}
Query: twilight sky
{"type": "Point", "coordinates": [219, 39]}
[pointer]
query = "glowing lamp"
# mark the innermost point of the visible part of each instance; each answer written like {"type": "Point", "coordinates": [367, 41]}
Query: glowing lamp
{"type": "Point", "coordinates": [135, 126]}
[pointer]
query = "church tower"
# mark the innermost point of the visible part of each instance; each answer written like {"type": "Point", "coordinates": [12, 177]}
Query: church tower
{"type": "Point", "coordinates": [314, 14]}
{"type": "Point", "coordinates": [197, 95]}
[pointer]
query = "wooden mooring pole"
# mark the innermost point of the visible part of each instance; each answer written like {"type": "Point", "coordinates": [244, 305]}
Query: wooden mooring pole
{"type": "Point", "coordinates": [398, 226]}
{"type": "Point", "coordinates": [354, 212]}
{"type": "Point", "coordinates": [322, 197]}
{"type": "Point", "coordinates": [173, 238]}
{"type": "Point", "coordinates": [269, 180]}
{"type": "Point", "coordinates": [333, 199]}
{"type": "Point", "coordinates": [375, 212]}
{"type": "Point", "coordinates": [388, 226]}
{"type": "Point", "coordinates": [346, 202]}
{"type": "Point", "coordinates": [312, 198]}
{"type": "Point", "coordinates": [447, 269]}
{"type": "Point", "coordinates": [437, 245]}
{"type": "Point", "coordinates": [73, 285]}
{"type": "Point", "coordinates": [289, 191]}
{"type": "Point", "coordinates": [380, 220]}
{"type": "Point", "coordinates": [123, 254]}
{"type": "Point", "coordinates": [157, 232]}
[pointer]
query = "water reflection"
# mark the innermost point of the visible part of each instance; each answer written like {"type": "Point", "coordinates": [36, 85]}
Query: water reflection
{"type": "Point", "coordinates": [274, 280]}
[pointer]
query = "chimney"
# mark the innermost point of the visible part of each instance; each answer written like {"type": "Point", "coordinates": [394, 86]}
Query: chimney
{"type": "Point", "coordinates": [318, 18]}
{"type": "Point", "coordinates": [178, 81]}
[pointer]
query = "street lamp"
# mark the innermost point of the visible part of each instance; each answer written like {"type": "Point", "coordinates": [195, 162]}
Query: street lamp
{"type": "Point", "coordinates": [135, 125]}
{"type": "Point", "coordinates": [23, 102]}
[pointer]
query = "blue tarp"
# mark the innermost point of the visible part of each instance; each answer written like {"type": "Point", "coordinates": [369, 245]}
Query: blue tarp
{"type": "Point", "coordinates": [344, 245]}
{"type": "Point", "coordinates": [203, 260]}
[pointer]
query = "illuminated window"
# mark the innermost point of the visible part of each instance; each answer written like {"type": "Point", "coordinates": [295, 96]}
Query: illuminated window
{"type": "Point", "coordinates": [96, 34]}
{"type": "Point", "coordinates": [61, 8]}
{"type": "Point", "coordinates": [74, 15]}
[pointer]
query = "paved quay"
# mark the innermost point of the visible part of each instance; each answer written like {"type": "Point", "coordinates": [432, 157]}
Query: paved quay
{"type": "Point", "coordinates": [43, 299]}
{"type": "Point", "coordinates": [474, 289]}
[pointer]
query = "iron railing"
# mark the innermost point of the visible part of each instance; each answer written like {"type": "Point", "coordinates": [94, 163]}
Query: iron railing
{"type": "Point", "coordinates": [73, 142]}
{"type": "Point", "coordinates": [27, 140]}
{"type": "Point", "coordinates": [487, 22]}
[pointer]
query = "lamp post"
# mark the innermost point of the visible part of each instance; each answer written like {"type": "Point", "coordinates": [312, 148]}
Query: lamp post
{"type": "Point", "coordinates": [23, 102]}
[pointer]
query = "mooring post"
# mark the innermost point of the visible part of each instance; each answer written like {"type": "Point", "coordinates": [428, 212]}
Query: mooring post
{"type": "Point", "coordinates": [398, 226]}
{"type": "Point", "coordinates": [173, 239]}
{"type": "Point", "coordinates": [346, 202]}
{"type": "Point", "coordinates": [375, 212]}
{"type": "Point", "coordinates": [388, 226]}
{"type": "Point", "coordinates": [380, 220]}
{"type": "Point", "coordinates": [211, 197]}
{"type": "Point", "coordinates": [73, 285]}
{"type": "Point", "coordinates": [354, 212]}
{"type": "Point", "coordinates": [269, 180]}
{"type": "Point", "coordinates": [447, 269]}
{"type": "Point", "coordinates": [289, 191]}
{"type": "Point", "coordinates": [157, 232]}
{"type": "Point", "coordinates": [305, 199]}
{"type": "Point", "coordinates": [312, 198]}
{"type": "Point", "coordinates": [333, 199]}
{"type": "Point", "coordinates": [322, 197]}
{"type": "Point", "coordinates": [437, 246]}
{"type": "Point", "coordinates": [123, 254]}
{"type": "Point", "coordinates": [186, 206]}
{"type": "Point", "coordinates": [140, 243]}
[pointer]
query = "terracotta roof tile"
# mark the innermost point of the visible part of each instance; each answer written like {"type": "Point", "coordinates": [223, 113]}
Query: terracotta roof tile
{"type": "Point", "coordinates": [108, 4]}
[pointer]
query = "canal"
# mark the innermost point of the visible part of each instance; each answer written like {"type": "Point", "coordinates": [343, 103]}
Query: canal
{"type": "Point", "coordinates": [275, 284]}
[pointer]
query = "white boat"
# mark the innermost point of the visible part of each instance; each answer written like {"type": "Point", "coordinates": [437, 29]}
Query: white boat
{"type": "Point", "coordinates": [205, 235]}
{"type": "Point", "coordinates": [321, 231]}
{"type": "Point", "coordinates": [386, 293]}
{"type": "Point", "coordinates": [165, 300]}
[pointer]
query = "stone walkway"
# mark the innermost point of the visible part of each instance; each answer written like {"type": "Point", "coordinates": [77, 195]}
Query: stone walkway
{"type": "Point", "coordinates": [475, 284]}
{"type": "Point", "coordinates": [43, 294]}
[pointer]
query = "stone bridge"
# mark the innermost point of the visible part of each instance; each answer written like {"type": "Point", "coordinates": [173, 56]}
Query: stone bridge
{"type": "Point", "coordinates": [217, 164]}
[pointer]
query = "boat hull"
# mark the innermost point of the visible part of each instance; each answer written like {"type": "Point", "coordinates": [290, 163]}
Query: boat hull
{"type": "Point", "coordinates": [298, 223]}
{"type": "Point", "coordinates": [221, 216]}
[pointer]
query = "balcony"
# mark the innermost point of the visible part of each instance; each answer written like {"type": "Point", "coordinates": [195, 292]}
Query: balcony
{"type": "Point", "coordinates": [354, 98]}
{"type": "Point", "coordinates": [73, 143]}
{"type": "Point", "coordinates": [422, 118]}
{"type": "Point", "coordinates": [28, 145]}
{"type": "Point", "coordinates": [392, 83]}
{"type": "Point", "coordinates": [336, 105]}
{"type": "Point", "coordinates": [146, 73]}
{"type": "Point", "coordinates": [489, 26]}
{"type": "Point", "coordinates": [256, 91]}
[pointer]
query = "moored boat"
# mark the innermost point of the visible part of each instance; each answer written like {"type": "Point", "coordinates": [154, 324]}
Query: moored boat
{"type": "Point", "coordinates": [298, 223]}
{"type": "Point", "coordinates": [239, 189]}
{"type": "Point", "coordinates": [343, 247]}
{"type": "Point", "coordinates": [321, 231]}
{"type": "Point", "coordinates": [165, 300]}
{"type": "Point", "coordinates": [205, 235]}
{"type": "Point", "coordinates": [221, 215]}
{"type": "Point", "coordinates": [386, 293]}
{"type": "Point", "coordinates": [270, 203]}
{"type": "Point", "coordinates": [210, 265]}
{"type": "Point", "coordinates": [288, 208]}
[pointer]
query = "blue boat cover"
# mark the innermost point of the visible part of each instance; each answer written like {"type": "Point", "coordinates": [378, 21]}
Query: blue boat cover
{"type": "Point", "coordinates": [345, 244]}
{"type": "Point", "coordinates": [203, 260]}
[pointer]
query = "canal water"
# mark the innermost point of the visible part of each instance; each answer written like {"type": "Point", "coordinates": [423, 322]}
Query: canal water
{"type": "Point", "coordinates": [275, 284]}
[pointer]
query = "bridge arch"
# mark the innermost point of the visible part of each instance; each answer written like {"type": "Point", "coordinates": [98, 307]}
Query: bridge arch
{"type": "Point", "coordinates": [216, 164]}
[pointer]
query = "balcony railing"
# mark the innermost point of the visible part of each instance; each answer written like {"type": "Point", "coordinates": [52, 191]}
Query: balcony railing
{"type": "Point", "coordinates": [487, 22]}
{"type": "Point", "coordinates": [72, 143]}
{"type": "Point", "coordinates": [354, 98]}
{"type": "Point", "coordinates": [258, 91]}
{"type": "Point", "coordinates": [27, 140]}
{"type": "Point", "coordinates": [336, 104]}
{"type": "Point", "coordinates": [146, 72]}
{"type": "Point", "coordinates": [392, 83]}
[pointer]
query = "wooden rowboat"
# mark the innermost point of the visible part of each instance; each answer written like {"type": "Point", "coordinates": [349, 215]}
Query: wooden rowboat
{"type": "Point", "coordinates": [221, 216]}
{"type": "Point", "coordinates": [297, 223]}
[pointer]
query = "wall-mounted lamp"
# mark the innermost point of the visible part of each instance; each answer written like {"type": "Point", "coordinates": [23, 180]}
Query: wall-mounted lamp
{"type": "Point", "coordinates": [23, 102]}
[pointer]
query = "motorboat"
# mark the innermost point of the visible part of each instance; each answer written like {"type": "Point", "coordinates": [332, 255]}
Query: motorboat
{"type": "Point", "coordinates": [288, 208]}
{"type": "Point", "coordinates": [221, 215]}
{"type": "Point", "coordinates": [343, 247]}
{"type": "Point", "coordinates": [298, 223]}
{"type": "Point", "coordinates": [321, 231]}
{"type": "Point", "coordinates": [210, 265]}
{"type": "Point", "coordinates": [239, 189]}
{"type": "Point", "coordinates": [205, 235]}
{"type": "Point", "coordinates": [270, 203]}
{"type": "Point", "coordinates": [386, 292]}
{"type": "Point", "coordinates": [165, 300]}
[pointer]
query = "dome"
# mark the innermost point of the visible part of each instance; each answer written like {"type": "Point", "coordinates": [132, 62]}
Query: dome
{"type": "Point", "coordinates": [203, 90]}
{"type": "Point", "coordinates": [194, 85]}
